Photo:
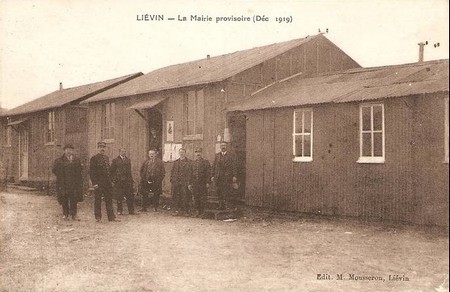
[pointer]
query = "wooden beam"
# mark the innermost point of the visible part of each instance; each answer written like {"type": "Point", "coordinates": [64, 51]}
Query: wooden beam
{"type": "Point", "coordinates": [141, 114]}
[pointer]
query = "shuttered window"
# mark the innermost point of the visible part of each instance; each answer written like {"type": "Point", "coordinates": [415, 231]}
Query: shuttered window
{"type": "Point", "coordinates": [303, 135]}
{"type": "Point", "coordinates": [193, 114]}
{"type": "Point", "coordinates": [371, 136]}
{"type": "Point", "coordinates": [108, 119]}
{"type": "Point", "coordinates": [50, 130]}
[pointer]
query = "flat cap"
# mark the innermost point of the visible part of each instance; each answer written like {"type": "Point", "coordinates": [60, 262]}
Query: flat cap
{"type": "Point", "coordinates": [101, 144]}
{"type": "Point", "coordinates": [198, 149]}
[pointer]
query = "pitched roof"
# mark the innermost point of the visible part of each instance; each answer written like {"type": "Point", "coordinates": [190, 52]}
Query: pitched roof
{"type": "Point", "coordinates": [351, 85]}
{"type": "Point", "coordinates": [201, 71]}
{"type": "Point", "coordinates": [65, 96]}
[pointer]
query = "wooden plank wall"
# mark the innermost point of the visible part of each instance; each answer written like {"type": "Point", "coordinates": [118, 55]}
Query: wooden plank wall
{"type": "Point", "coordinates": [431, 174]}
{"type": "Point", "coordinates": [334, 183]}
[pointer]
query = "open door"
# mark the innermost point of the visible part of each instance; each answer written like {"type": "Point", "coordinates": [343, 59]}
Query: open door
{"type": "Point", "coordinates": [237, 124]}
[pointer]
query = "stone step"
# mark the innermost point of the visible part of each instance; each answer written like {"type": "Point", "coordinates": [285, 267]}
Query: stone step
{"type": "Point", "coordinates": [21, 188]}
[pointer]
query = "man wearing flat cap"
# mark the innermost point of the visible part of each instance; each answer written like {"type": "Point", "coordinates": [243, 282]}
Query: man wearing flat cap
{"type": "Point", "coordinates": [67, 170]}
{"type": "Point", "coordinates": [201, 174]}
{"type": "Point", "coordinates": [101, 180]}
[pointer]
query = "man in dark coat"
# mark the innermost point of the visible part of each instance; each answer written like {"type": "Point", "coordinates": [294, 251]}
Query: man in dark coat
{"type": "Point", "coordinates": [67, 170]}
{"type": "Point", "coordinates": [224, 174]}
{"type": "Point", "coordinates": [201, 174]}
{"type": "Point", "coordinates": [152, 174]}
{"type": "Point", "coordinates": [101, 180]}
{"type": "Point", "coordinates": [122, 181]}
{"type": "Point", "coordinates": [180, 178]}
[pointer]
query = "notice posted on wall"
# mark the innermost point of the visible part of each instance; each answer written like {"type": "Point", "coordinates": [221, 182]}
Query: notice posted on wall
{"type": "Point", "coordinates": [171, 152]}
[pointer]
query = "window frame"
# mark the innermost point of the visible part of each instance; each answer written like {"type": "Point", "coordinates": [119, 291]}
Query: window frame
{"type": "Point", "coordinates": [108, 122]}
{"type": "Point", "coordinates": [372, 158]}
{"type": "Point", "coordinates": [196, 117]}
{"type": "Point", "coordinates": [303, 158]}
{"type": "Point", "coordinates": [50, 131]}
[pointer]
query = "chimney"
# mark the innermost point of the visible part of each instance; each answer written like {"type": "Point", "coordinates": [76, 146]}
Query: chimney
{"type": "Point", "coordinates": [208, 57]}
{"type": "Point", "coordinates": [60, 86]}
{"type": "Point", "coordinates": [421, 50]}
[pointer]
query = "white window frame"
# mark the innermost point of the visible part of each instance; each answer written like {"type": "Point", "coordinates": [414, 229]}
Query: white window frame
{"type": "Point", "coordinates": [303, 134]}
{"type": "Point", "coordinates": [372, 158]}
{"type": "Point", "coordinates": [108, 126]}
{"type": "Point", "coordinates": [50, 130]}
{"type": "Point", "coordinates": [446, 130]}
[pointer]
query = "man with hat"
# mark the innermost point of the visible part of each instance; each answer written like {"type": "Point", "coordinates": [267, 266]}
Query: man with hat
{"type": "Point", "coordinates": [201, 174]}
{"type": "Point", "coordinates": [180, 178]}
{"type": "Point", "coordinates": [152, 174]}
{"type": "Point", "coordinates": [224, 174]}
{"type": "Point", "coordinates": [101, 181]}
{"type": "Point", "coordinates": [122, 181]}
{"type": "Point", "coordinates": [67, 170]}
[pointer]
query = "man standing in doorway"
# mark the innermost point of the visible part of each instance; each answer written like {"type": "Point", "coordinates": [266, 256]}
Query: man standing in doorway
{"type": "Point", "coordinates": [201, 173]}
{"type": "Point", "coordinates": [152, 174]}
{"type": "Point", "coordinates": [122, 181]}
{"type": "Point", "coordinates": [180, 178]}
{"type": "Point", "coordinates": [224, 174]}
{"type": "Point", "coordinates": [67, 170]}
{"type": "Point", "coordinates": [101, 180]}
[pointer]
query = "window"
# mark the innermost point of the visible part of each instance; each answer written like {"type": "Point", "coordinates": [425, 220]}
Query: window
{"type": "Point", "coordinates": [193, 114]}
{"type": "Point", "coordinates": [108, 118]}
{"type": "Point", "coordinates": [371, 135]}
{"type": "Point", "coordinates": [8, 136]}
{"type": "Point", "coordinates": [303, 135]}
{"type": "Point", "coordinates": [446, 130]}
{"type": "Point", "coordinates": [50, 131]}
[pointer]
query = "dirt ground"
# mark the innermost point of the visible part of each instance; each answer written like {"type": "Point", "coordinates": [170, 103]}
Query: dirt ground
{"type": "Point", "coordinates": [259, 252]}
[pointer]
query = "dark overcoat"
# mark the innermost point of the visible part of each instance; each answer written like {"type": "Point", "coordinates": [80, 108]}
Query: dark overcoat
{"type": "Point", "coordinates": [121, 171]}
{"type": "Point", "coordinates": [201, 172]}
{"type": "Point", "coordinates": [181, 172]}
{"type": "Point", "coordinates": [68, 178]}
{"type": "Point", "coordinates": [152, 172]}
{"type": "Point", "coordinates": [225, 167]}
{"type": "Point", "coordinates": [121, 176]}
{"type": "Point", "coordinates": [99, 171]}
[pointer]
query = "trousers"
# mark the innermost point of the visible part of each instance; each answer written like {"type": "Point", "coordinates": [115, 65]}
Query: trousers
{"type": "Point", "coordinates": [98, 194]}
{"type": "Point", "coordinates": [124, 191]}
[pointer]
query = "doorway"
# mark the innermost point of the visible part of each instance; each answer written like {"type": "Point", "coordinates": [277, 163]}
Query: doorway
{"type": "Point", "coordinates": [238, 129]}
{"type": "Point", "coordinates": [155, 129]}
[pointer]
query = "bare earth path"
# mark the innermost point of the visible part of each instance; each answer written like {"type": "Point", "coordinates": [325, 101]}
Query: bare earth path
{"type": "Point", "coordinates": [159, 252]}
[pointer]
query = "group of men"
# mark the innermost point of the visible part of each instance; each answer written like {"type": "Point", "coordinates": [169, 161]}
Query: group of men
{"type": "Point", "coordinates": [190, 180]}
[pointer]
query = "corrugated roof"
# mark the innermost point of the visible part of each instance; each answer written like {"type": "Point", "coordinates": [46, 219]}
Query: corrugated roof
{"type": "Point", "coordinates": [201, 71]}
{"type": "Point", "coordinates": [351, 85]}
{"type": "Point", "coordinates": [61, 97]}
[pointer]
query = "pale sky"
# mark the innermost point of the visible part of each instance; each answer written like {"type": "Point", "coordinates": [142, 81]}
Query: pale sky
{"type": "Point", "coordinates": [77, 42]}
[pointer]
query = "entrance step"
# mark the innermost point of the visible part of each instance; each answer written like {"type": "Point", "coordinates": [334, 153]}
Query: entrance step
{"type": "Point", "coordinates": [18, 187]}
